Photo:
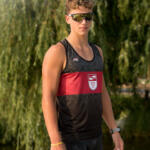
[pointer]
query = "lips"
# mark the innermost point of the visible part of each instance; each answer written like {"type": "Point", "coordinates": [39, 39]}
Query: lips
{"type": "Point", "coordinates": [84, 28]}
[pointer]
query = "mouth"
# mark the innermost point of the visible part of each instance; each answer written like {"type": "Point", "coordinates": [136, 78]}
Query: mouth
{"type": "Point", "coordinates": [83, 28]}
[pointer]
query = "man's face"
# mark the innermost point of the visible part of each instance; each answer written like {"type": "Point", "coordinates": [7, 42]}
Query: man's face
{"type": "Point", "coordinates": [80, 27]}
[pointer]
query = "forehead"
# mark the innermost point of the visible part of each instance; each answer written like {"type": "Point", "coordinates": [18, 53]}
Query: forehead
{"type": "Point", "coordinates": [81, 9]}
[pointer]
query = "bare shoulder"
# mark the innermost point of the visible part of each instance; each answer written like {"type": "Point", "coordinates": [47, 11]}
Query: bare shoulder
{"type": "Point", "coordinates": [56, 50]}
{"type": "Point", "coordinates": [54, 56]}
{"type": "Point", "coordinates": [100, 51]}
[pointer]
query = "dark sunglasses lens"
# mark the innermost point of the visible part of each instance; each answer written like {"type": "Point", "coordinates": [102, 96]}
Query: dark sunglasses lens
{"type": "Point", "coordinates": [88, 17]}
{"type": "Point", "coordinates": [80, 17]}
{"type": "Point", "coordinates": [77, 17]}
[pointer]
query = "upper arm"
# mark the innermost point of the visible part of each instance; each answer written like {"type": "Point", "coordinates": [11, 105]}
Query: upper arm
{"type": "Point", "coordinates": [51, 70]}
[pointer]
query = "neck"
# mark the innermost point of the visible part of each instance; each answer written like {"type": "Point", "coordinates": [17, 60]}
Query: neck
{"type": "Point", "coordinates": [81, 41]}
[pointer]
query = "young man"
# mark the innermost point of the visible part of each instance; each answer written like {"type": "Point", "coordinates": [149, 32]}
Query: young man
{"type": "Point", "coordinates": [74, 94]}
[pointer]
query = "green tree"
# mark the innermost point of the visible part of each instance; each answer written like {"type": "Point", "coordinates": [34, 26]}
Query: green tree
{"type": "Point", "coordinates": [29, 27]}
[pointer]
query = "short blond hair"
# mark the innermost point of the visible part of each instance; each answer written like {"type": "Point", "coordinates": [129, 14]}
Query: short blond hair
{"type": "Point", "coordinates": [74, 4]}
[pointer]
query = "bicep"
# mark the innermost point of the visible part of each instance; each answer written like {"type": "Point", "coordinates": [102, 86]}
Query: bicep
{"type": "Point", "coordinates": [51, 70]}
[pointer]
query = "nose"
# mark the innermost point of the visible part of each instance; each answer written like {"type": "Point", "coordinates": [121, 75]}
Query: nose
{"type": "Point", "coordinates": [84, 21]}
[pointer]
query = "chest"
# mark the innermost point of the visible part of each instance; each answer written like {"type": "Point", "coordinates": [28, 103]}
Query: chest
{"type": "Point", "coordinates": [76, 63]}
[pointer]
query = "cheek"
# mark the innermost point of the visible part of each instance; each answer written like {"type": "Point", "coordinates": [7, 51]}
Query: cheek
{"type": "Point", "coordinates": [74, 26]}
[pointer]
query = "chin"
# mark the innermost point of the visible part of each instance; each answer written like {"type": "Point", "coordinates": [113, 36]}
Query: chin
{"type": "Point", "coordinates": [83, 33]}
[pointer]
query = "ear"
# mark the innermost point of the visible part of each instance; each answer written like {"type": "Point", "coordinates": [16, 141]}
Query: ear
{"type": "Point", "coordinates": [67, 19]}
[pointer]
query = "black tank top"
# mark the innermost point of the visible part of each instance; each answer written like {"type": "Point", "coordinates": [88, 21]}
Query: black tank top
{"type": "Point", "coordinates": [79, 103]}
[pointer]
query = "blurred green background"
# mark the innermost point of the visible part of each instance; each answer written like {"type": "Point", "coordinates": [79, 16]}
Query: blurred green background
{"type": "Point", "coordinates": [29, 27]}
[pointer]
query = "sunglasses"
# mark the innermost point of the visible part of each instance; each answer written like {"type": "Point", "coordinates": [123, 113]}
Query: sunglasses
{"type": "Point", "coordinates": [79, 17]}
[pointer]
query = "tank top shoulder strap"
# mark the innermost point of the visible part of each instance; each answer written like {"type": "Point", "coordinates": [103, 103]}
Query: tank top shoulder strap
{"type": "Point", "coordinates": [63, 42]}
{"type": "Point", "coordinates": [95, 49]}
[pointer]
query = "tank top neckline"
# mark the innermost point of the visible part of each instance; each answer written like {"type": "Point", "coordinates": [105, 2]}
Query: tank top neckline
{"type": "Point", "coordinates": [81, 56]}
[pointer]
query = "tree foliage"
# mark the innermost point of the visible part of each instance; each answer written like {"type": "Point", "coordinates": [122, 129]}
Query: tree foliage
{"type": "Point", "coordinates": [29, 27]}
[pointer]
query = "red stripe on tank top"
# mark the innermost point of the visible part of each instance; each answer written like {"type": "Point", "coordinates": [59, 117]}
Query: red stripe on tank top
{"type": "Point", "coordinates": [80, 83]}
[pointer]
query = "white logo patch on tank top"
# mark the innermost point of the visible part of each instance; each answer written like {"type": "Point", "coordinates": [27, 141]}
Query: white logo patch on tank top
{"type": "Point", "coordinates": [75, 59]}
{"type": "Point", "coordinates": [92, 81]}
